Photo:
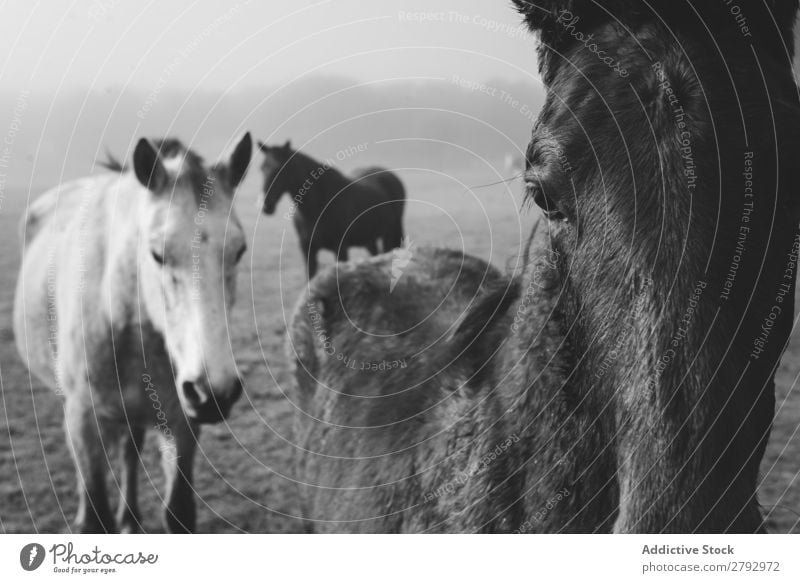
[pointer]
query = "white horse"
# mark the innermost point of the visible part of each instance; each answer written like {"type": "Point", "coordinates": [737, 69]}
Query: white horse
{"type": "Point", "coordinates": [126, 283]}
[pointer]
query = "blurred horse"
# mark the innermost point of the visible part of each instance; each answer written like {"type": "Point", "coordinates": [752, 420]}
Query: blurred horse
{"type": "Point", "coordinates": [332, 211]}
{"type": "Point", "coordinates": [127, 280]}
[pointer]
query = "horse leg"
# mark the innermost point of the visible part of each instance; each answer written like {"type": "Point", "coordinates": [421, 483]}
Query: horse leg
{"type": "Point", "coordinates": [177, 458]}
{"type": "Point", "coordinates": [128, 516]}
{"type": "Point", "coordinates": [311, 262]}
{"type": "Point", "coordinates": [85, 441]}
{"type": "Point", "coordinates": [309, 254]}
{"type": "Point", "coordinates": [394, 240]}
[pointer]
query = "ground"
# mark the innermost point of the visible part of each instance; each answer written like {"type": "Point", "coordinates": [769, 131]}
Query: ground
{"type": "Point", "coordinates": [243, 471]}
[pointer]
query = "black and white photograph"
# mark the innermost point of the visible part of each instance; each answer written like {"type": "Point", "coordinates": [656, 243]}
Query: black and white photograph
{"type": "Point", "coordinates": [320, 267]}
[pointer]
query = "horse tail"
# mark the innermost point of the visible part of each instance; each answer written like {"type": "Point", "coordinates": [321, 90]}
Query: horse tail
{"type": "Point", "coordinates": [399, 191]}
{"type": "Point", "coordinates": [391, 189]}
{"type": "Point", "coordinates": [396, 192]}
{"type": "Point", "coordinates": [393, 185]}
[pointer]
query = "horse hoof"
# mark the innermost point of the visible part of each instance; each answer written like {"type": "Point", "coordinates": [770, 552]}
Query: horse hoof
{"type": "Point", "coordinates": [133, 527]}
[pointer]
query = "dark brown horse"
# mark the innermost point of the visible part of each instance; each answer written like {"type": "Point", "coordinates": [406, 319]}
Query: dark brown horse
{"type": "Point", "coordinates": [330, 210]}
{"type": "Point", "coordinates": [625, 381]}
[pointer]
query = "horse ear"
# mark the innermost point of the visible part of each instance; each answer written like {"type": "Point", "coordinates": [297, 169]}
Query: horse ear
{"type": "Point", "coordinates": [239, 160]}
{"type": "Point", "coordinates": [288, 146]}
{"type": "Point", "coordinates": [542, 12]}
{"type": "Point", "coordinates": [148, 167]}
{"type": "Point", "coordinates": [553, 17]}
{"type": "Point", "coordinates": [262, 146]}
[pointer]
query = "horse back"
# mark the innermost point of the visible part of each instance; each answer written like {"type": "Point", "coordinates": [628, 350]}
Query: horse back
{"type": "Point", "coordinates": [383, 179]}
{"type": "Point", "coordinates": [375, 421]}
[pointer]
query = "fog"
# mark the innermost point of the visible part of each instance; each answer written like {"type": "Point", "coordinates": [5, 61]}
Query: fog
{"type": "Point", "coordinates": [440, 84]}
{"type": "Point", "coordinates": [436, 123]}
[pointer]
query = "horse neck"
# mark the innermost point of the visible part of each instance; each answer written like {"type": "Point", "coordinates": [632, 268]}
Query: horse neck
{"type": "Point", "coordinates": [315, 184]}
{"type": "Point", "coordinates": [122, 212]}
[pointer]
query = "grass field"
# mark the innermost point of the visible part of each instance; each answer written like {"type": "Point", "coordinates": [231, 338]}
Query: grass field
{"type": "Point", "coordinates": [243, 477]}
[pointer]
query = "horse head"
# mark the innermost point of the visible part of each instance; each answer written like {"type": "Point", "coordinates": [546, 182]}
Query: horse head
{"type": "Point", "coordinates": [190, 244]}
{"type": "Point", "coordinates": [664, 161]}
{"type": "Point", "coordinates": [278, 177]}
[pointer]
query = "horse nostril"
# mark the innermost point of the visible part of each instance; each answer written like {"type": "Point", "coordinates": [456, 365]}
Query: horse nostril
{"type": "Point", "coordinates": [194, 396]}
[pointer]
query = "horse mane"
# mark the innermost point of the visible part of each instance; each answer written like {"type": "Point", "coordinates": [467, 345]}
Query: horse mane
{"type": "Point", "coordinates": [111, 163]}
{"type": "Point", "coordinates": [192, 167]}
{"type": "Point", "coordinates": [173, 147]}
{"type": "Point", "coordinates": [331, 177]}
{"type": "Point", "coordinates": [549, 18]}
{"type": "Point", "coordinates": [762, 17]}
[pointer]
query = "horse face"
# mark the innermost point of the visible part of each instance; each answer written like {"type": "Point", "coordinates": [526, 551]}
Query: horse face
{"type": "Point", "coordinates": [671, 262]}
{"type": "Point", "coordinates": [276, 180]}
{"type": "Point", "coordinates": [639, 183]}
{"type": "Point", "coordinates": [192, 242]}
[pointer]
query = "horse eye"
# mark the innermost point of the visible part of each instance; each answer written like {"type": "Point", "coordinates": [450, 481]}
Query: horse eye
{"type": "Point", "coordinates": [158, 257]}
{"type": "Point", "coordinates": [537, 194]}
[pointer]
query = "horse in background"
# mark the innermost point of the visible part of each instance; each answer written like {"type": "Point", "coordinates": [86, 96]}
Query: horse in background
{"type": "Point", "coordinates": [333, 211]}
{"type": "Point", "coordinates": [624, 381]}
{"type": "Point", "coordinates": [121, 306]}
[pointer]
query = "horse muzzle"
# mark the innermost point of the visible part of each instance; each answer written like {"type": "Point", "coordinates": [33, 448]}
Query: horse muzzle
{"type": "Point", "coordinates": [204, 405]}
{"type": "Point", "coordinates": [268, 208]}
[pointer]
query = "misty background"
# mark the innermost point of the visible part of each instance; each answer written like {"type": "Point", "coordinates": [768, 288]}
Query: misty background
{"type": "Point", "coordinates": [443, 85]}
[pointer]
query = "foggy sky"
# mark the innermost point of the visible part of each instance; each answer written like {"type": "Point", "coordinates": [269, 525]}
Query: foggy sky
{"type": "Point", "coordinates": [214, 44]}
{"type": "Point", "coordinates": [81, 78]}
